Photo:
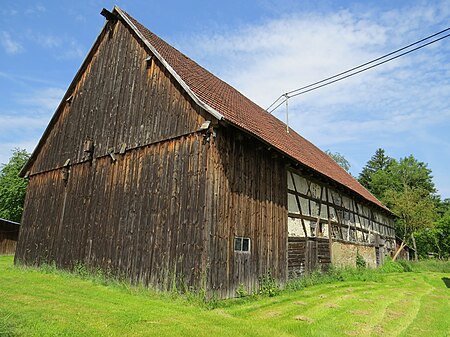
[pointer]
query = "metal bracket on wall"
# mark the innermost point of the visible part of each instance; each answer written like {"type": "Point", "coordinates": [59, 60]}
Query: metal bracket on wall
{"type": "Point", "coordinates": [112, 155]}
{"type": "Point", "coordinates": [123, 148]}
{"type": "Point", "coordinates": [66, 171]}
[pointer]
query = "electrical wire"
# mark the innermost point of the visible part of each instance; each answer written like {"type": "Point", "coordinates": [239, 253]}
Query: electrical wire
{"type": "Point", "coordinates": [338, 77]}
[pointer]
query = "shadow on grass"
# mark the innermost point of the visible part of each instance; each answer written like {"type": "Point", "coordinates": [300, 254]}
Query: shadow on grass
{"type": "Point", "coordinates": [446, 281]}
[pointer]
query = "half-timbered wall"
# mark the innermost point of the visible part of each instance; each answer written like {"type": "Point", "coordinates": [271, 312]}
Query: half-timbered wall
{"type": "Point", "coordinates": [249, 200]}
{"type": "Point", "coordinates": [316, 210]}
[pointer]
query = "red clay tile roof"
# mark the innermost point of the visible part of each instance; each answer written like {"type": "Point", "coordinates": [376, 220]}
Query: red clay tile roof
{"type": "Point", "coordinates": [241, 111]}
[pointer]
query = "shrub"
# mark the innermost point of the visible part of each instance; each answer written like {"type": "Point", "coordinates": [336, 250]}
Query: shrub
{"type": "Point", "coordinates": [360, 262]}
{"type": "Point", "coordinates": [268, 285]}
{"type": "Point", "coordinates": [240, 291]}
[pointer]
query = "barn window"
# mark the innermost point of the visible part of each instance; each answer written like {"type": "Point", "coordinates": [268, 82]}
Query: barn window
{"type": "Point", "coordinates": [241, 244]}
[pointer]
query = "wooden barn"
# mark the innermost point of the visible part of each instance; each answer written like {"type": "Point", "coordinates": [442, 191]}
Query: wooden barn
{"type": "Point", "coordinates": [9, 233]}
{"type": "Point", "coordinates": [158, 171]}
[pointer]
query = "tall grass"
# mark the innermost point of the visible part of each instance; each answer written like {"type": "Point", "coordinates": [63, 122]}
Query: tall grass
{"type": "Point", "coordinates": [431, 265]}
{"type": "Point", "coordinates": [343, 274]}
{"type": "Point", "coordinates": [334, 275]}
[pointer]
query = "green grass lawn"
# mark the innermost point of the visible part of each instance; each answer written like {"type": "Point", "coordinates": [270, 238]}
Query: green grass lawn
{"type": "Point", "coordinates": [36, 303]}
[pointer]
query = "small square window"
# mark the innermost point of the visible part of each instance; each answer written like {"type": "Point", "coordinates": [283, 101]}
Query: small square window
{"type": "Point", "coordinates": [241, 244]}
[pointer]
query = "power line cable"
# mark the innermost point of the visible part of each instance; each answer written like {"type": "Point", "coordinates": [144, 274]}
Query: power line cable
{"type": "Point", "coordinates": [302, 90]}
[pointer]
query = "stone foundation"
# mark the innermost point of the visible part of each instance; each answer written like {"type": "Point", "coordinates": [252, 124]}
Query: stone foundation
{"type": "Point", "coordinates": [344, 254]}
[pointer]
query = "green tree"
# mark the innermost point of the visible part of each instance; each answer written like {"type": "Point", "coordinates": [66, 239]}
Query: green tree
{"type": "Point", "coordinates": [378, 162]}
{"type": "Point", "coordinates": [442, 207]}
{"type": "Point", "coordinates": [436, 240]}
{"type": "Point", "coordinates": [13, 187]}
{"type": "Point", "coordinates": [340, 159]}
{"type": "Point", "coordinates": [415, 211]}
{"type": "Point", "coordinates": [406, 187]}
{"type": "Point", "coordinates": [442, 230]}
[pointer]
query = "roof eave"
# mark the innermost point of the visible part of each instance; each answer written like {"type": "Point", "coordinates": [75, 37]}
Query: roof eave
{"type": "Point", "coordinates": [287, 155]}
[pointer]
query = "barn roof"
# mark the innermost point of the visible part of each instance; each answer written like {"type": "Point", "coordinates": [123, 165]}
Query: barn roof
{"type": "Point", "coordinates": [8, 222]}
{"type": "Point", "coordinates": [228, 104]}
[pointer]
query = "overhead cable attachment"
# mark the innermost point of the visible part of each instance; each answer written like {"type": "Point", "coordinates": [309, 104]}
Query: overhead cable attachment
{"type": "Point", "coordinates": [286, 96]}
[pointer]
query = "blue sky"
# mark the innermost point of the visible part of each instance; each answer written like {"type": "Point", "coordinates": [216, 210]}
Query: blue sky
{"type": "Point", "coordinates": [263, 48]}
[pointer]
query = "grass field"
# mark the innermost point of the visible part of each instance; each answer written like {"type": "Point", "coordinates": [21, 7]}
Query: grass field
{"type": "Point", "coordinates": [39, 303]}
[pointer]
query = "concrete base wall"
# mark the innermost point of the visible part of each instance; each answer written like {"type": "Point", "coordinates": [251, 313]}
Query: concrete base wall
{"type": "Point", "coordinates": [344, 254]}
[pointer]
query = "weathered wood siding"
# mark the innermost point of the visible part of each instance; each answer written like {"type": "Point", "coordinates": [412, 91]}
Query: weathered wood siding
{"type": "Point", "coordinates": [307, 254]}
{"type": "Point", "coordinates": [248, 199]}
{"type": "Point", "coordinates": [120, 98]}
{"type": "Point", "coordinates": [9, 233]}
{"type": "Point", "coordinates": [142, 217]}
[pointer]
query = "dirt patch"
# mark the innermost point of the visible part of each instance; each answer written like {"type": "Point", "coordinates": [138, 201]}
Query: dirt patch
{"type": "Point", "coordinates": [223, 313]}
{"type": "Point", "coordinates": [378, 330]}
{"type": "Point", "coordinates": [299, 303]}
{"type": "Point", "coordinates": [359, 312]}
{"type": "Point", "coordinates": [349, 290]}
{"type": "Point", "coordinates": [351, 333]}
{"type": "Point", "coordinates": [348, 296]}
{"type": "Point", "coordinates": [332, 305]}
{"type": "Point", "coordinates": [271, 314]}
{"type": "Point", "coordinates": [391, 314]}
{"type": "Point", "coordinates": [366, 300]}
{"type": "Point", "coordinates": [304, 319]}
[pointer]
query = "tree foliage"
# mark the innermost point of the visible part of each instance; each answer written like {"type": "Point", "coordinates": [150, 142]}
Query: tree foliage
{"type": "Point", "coordinates": [414, 207]}
{"type": "Point", "coordinates": [436, 240]}
{"type": "Point", "coordinates": [340, 159]}
{"type": "Point", "coordinates": [404, 186]}
{"type": "Point", "coordinates": [378, 162]}
{"type": "Point", "coordinates": [13, 187]}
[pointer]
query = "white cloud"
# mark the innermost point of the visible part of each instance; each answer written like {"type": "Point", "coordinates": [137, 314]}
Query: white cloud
{"type": "Point", "coordinates": [45, 100]}
{"type": "Point", "coordinates": [47, 41]}
{"type": "Point", "coordinates": [63, 46]}
{"type": "Point", "coordinates": [8, 12]}
{"type": "Point", "coordinates": [23, 127]}
{"type": "Point", "coordinates": [21, 123]}
{"type": "Point", "coordinates": [10, 45]}
{"type": "Point", "coordinates": [35, 10]}
{"type": "Point", "coordinates": [72, 50]}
